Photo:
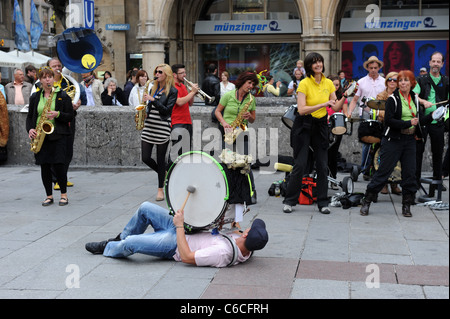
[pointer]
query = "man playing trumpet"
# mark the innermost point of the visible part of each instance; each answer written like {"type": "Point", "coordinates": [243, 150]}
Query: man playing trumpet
{"type": "Point", "coordinates": [181, 116]}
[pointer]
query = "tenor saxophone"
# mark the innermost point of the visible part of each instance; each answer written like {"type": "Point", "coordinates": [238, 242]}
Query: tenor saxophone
{"type": "Point", "coordinates": [238, 125]}
{"type": "Point", "coordinates": [44, 126]}
{"type": "Point", "coordinates": [139, 118]}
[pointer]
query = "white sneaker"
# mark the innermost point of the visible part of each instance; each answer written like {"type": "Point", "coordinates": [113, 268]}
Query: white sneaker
{"type": "Point", "coordinates": [287, 209]}
{"type": "Point", "coordinates": [325, 210]}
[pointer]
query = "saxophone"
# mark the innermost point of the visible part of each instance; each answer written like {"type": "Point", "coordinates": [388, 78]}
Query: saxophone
{"type": "Point", "coordinates": [139, 118]}
{"type": "Point", "coordinates": [44, 126]}
{"type": "Point", "coordinates": [238, 125]}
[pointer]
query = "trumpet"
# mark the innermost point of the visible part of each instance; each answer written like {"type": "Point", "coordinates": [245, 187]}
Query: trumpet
{"type": "Point", "coordinates": [200, 93]}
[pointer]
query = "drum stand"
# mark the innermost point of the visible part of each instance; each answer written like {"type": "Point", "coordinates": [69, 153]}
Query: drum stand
{"type": "Point", "coordinates": [430, 194]}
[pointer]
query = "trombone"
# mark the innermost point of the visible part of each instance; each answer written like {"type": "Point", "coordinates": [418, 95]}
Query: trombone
{"type": "Point", "coordinates": [200, 93]}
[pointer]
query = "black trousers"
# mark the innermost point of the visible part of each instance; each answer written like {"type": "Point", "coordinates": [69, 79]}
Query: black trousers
{"type": "Point", "coordinates": [436, 133]}
{"type": "Point", "coordinates": [392, 151]}
{"type": "Point", "coordinates": [159, 166]}
{"type": "Point", "coordinates": [181, 137]}
{"type": "Point", "coordinates": [308, 131]}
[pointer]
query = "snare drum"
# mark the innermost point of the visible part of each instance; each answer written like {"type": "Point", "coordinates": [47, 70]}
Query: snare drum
{"type": "Point", "coordinates": [289, 116]}
{"type": "Point", "coordinates": [207, 205]}
{"type": "Point", "coordinates": [338, 123]}
{"type": "Point", "coordinates": [370, 131]}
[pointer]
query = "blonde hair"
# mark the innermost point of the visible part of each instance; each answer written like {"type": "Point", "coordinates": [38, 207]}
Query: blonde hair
{"type": "Point", "coordinates": [169, 78]}
{"type": "Point", "coordinates": [390, 75]}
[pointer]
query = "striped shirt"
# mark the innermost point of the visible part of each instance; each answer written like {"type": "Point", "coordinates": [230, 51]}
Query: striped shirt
{"type": "Point", "coordinates": [156, 130]}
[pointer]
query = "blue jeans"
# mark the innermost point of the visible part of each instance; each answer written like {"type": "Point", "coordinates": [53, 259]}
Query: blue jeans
{"type": "Point", "coordinates": [161, 243]}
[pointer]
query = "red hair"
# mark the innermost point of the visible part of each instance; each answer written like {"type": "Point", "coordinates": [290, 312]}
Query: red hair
{"type": "Point", "coordinates": [407, 74]}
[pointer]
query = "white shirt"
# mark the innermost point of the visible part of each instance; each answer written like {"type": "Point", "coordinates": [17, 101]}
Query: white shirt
{"type": "Point", "coordinates": [136, 94]}
{"type": "Point", "coordinates": [89, 97]}
{"type": "Point", "coordinates": [224, 89]}
{"type": "Point", "coordinates": [370, 88]}
{"type": "Point", "coordinates": [211, 250]}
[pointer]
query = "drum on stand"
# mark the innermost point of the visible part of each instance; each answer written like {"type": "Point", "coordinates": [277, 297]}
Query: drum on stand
{"type": "Point", "coordinates": [207, 206]}
{"type": "Point", "coordinates": [338, 123]}
{"type": "Point", "coordinates": [370, 131]}
{"type": "Point", "coordinates": [289, 116]}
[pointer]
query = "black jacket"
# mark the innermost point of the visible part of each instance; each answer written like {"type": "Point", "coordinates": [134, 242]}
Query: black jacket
{"type": "Point", "coordinates": [63, 104]}
{"type": "Point", "coordinates": [211, 86]}
{"type": "Point", "coordinates": [164, 104]}
{"type": "Point", "coordinates": [425, 87]}
{"type": "Point", "coordinates": [393, 116]}
{"type": "Point", "coordinates": [118, 93]}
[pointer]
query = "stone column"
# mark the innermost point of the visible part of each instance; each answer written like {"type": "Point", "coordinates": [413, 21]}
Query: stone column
{"type": "Point", "coordinates": [151, 34]}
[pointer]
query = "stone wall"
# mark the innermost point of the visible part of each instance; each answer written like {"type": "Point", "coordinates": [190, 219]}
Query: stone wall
{"type": "Point", "coordinates": [106, 135]}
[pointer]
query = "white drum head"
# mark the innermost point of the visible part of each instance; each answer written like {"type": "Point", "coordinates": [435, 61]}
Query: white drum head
{"type": "Point", "coordinates": [203, 172]}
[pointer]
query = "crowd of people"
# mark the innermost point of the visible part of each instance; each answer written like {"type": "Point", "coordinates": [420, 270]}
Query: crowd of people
{"type": "Point", "coordinates": [409, 103]}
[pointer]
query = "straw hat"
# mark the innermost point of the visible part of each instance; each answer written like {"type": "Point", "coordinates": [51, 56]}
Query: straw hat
{"type": "Point", "coordinates": [371, 60]}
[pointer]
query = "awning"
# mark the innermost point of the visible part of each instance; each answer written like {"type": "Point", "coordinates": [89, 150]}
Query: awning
{"type": "Point", "coordinates": [10, 61]}
{"type": "Point", "coordinates": [38, 60]}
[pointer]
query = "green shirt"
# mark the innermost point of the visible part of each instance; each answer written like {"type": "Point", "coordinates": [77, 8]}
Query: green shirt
{"type": "Point", "coordinates": [406, 112]}
{"type": "Point", "coordinates": [41, 105]}
{"type": "Point", "coordinates": [431, 97]}
{"type": "Point", "coordinates": [232, 106]}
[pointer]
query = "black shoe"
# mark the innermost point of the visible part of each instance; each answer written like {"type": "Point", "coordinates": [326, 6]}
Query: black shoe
{"type": "Point", "coordinates": [96, 248]}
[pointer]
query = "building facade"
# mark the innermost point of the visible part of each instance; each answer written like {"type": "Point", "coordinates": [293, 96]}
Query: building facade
{"type": "Point", "coordinates": [260, 35]}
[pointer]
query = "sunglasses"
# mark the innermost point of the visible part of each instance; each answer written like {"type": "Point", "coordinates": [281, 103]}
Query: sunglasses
{"type": "Point", "coordinates": [159, 72]}
{"type": "Point", "coordinates": [392, 80]}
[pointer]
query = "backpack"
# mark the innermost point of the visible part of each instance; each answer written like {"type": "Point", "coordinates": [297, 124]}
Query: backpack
{"type": "Point", "coordinates": [308, 193]}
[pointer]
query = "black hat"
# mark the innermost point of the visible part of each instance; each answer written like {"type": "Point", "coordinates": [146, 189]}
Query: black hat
{"type": "Point", "coordinates": [257, 237]}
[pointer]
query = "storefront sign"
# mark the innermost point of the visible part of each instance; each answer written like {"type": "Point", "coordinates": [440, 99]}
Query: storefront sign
{"type": "Point", "coordinates": [387, 24]}
{"type": "Point", "coordinates": [248, 27]}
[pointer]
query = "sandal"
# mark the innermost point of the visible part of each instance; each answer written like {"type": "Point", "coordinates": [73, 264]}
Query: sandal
{"type": "Point", "coordinates": [47, 202]}
{"type": "Point", "coordinates": [63, 201]}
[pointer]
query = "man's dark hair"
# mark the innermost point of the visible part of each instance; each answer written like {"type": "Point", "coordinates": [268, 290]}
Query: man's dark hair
{"type": "Point", "coordinates": [211, 68]}
{"type": "Point", "coordinates": [176, 67]}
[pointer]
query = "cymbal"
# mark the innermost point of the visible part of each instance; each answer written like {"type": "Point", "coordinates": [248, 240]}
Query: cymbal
{"type": "Point", "coordinates": [376, 104]}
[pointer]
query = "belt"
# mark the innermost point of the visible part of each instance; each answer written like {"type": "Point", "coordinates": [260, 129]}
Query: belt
{"type": "Point", "coordinates": [408, 131]}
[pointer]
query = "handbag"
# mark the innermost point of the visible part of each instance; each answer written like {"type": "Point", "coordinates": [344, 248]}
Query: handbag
{"type": "Point", "coordinates": [308, 193]}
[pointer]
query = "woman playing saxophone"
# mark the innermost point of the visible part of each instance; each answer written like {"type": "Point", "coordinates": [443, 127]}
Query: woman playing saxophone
{"type": "Point", "coordinates": [232, 103]}
{"type": "Point", "coordinates": [238, 107]}
{"type": "Point", "coordinates": [53, 152]}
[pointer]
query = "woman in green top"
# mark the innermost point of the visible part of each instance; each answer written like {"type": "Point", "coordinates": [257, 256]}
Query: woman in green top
{"type": "Point", "coordinates": [233, 101]}
{"type": "Point", "coordinates": [231, 104]}
{"type": "Point", "coordinates": [54, 148]}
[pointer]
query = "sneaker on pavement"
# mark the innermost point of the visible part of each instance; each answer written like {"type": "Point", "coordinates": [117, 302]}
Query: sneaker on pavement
{"type": "Point", "coordinates": [325, 210]}
{"type": "Point", "coordinates": [287, 209]}
{"type": "Point", "coordinates": [96, 248]}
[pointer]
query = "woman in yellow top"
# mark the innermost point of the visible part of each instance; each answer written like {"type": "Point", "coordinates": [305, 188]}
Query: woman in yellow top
{"type": "Point", "coordinates": [310, 128]}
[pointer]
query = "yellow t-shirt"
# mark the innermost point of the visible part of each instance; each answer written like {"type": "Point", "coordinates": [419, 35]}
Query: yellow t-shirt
{"type": "Point", "coordinates": [316, 93]}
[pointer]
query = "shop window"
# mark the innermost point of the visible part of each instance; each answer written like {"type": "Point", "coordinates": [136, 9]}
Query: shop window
{"type": "Point", "coordinates": [250, 10]}
{"type": "Point", "coordinates": [395, 8]}
{"type": "Point", "coordinates": [276, 59]}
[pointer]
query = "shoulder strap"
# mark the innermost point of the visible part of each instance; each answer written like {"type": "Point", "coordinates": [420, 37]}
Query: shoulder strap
{"type": "Point", "coordinates": [235, 249]}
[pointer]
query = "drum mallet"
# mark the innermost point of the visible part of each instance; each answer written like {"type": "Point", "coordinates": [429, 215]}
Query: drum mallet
{"type": "Point", "coordinates": [190, 189]}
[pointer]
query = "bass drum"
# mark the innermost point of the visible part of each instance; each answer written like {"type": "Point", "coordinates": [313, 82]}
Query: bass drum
{"type": "Point", "coordinates": [206, 206]}
{"type": "Point", "coordinates": [396, 176]}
